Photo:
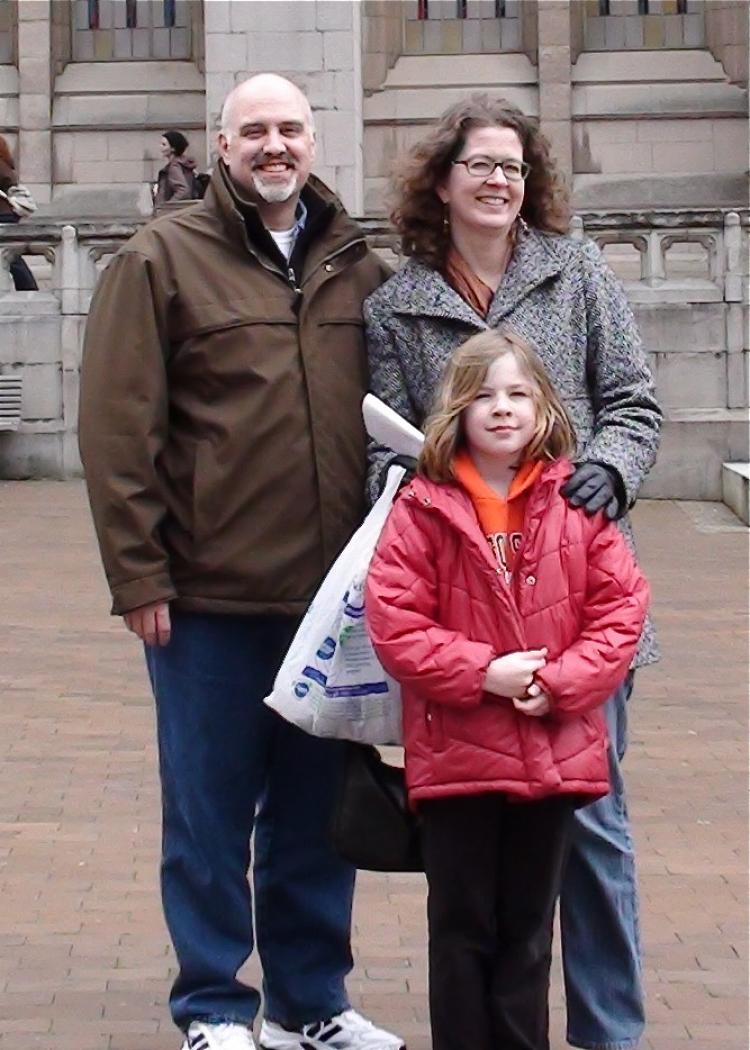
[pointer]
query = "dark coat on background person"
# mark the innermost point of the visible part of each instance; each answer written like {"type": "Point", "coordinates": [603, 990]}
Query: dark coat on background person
{"type": "Point", "coordinates": [439, 611]}
{"type": "Point", "coordinates": [562, 297]}
{"type": "Point", "coordinates": [220, 423]}
{"type": "Point", "coordinates": [175, 181]}
{"type": "Point", "coordinates": [23, 278]}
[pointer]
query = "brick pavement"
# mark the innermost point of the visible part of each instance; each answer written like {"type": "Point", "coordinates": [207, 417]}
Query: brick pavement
{"type": "Point", "coordinates": [84, 956]}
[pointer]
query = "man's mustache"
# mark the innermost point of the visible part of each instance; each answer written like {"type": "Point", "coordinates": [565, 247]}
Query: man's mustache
{"type": "Point", "coordinates": [265, 158]}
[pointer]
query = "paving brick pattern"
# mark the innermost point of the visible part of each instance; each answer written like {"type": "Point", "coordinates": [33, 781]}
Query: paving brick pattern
{"type": "Point", "coordinates": [85, 961]}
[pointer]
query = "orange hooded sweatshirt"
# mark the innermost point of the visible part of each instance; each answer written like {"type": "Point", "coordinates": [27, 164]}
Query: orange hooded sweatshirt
{"type": "Point", "coordinates": [501, 520]}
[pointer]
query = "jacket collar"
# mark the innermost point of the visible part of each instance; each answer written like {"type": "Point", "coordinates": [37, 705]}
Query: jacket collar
{"type": "Point", "coordinates": [453, 502]}
{"type": "Point", "coordinates": [427, 293]}
{"type": "Point", "coordinates": [242, 222]}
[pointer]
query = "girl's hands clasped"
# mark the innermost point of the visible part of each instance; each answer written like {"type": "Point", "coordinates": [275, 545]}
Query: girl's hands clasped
{"type": "Point", "coordinates": [512, 674]}
{"type": "Point", "coordinates": [535, 704]}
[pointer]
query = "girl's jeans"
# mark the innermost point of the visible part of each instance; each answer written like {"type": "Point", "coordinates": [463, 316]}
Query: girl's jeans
{"type": "Point", "coordinates": [599, 911]}
{"type": "Point", "coordinates": [222, 753]}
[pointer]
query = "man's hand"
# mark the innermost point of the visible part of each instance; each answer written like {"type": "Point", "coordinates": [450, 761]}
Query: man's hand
{"type": "Point", "coordinates": [150, 622]}
{"type": "Point", "coordinates": [512, 674]}
{"type": "Point", "coordinates": [595, 487]}
{"type": "Point", "coordinates": [536, 703]}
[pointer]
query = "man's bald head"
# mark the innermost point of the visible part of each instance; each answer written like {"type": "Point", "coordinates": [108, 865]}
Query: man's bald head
{"type": "Point", "coordinates": [257, 88]}
{"type": "Point", "coordinates": [267, 142]}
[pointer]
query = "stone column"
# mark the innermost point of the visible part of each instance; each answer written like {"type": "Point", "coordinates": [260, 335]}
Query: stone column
{"type": "Point", "coordinates": [35, 97]}
{"type": "Point", "coordinates": [555, 88]}
{"type": "Point", "coordinates": [317, 44]}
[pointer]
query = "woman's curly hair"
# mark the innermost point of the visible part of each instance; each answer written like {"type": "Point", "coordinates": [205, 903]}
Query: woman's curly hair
{"type": "Point", "coordinates": [416, 210]}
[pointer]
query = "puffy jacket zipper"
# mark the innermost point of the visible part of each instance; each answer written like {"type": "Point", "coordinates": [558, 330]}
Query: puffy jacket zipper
{"type": "Point", "coordinates": [506, 591]}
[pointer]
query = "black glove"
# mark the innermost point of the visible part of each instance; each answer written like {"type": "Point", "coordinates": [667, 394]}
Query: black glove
{"type": "Point", "coordinates": [594, 486]}
{"type": "Point", "coordinates": [409, 463]}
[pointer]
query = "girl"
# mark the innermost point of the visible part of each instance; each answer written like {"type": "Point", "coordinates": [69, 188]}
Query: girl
{"type": "Point", "coordinates": [508, 617]}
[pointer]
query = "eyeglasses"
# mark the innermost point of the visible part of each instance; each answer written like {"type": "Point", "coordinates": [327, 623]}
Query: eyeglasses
{"type": "Point", "coordinates": [482, 167]}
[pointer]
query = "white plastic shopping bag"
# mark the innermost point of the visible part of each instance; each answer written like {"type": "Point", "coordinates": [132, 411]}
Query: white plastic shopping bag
{"type": "Point", "coordinates": [331, 683]}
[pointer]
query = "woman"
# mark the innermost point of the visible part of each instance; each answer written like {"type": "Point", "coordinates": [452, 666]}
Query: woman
{"type": "Point", "coordinates": [175, 181]}
{"type": "Point", "coordinates": [482, 214]}
{"type": "Point", "coordinates": [23, 279]}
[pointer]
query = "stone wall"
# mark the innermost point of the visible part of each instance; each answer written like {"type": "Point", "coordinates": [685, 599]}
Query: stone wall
{"type": "Point", "coordinates": [316, 43]}
{"type": "Point", "coordinates": [382, 39]}
{"type": "Point", "coordinates": [727, 36]}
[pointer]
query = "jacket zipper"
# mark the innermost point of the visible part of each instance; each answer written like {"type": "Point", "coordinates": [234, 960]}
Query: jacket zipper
{"type": "Point", "coordinates": [501, 586]}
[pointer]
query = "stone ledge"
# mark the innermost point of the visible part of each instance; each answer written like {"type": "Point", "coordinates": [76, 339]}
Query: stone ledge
{"type": "Point", "coordinates": [735, 489]}
{"type": "Point", "coordinates": [423, 105]}
{"type": "Point", "coordinates": [474, 71]}
{"type": "Point", "coordinates": [98, 78]}
{"type": "Point", "coordinates": [613, 67]}
{"type": "Point", "coordinates": [657, 101]}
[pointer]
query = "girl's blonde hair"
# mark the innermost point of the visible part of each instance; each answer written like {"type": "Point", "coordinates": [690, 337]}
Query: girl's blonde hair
{"type": "Point", "coordinates": [554, 435]}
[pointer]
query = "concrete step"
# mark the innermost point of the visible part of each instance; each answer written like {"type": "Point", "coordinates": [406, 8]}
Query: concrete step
{"type": "Point", "coordinates": [622, 67]}
{"type": "Point", "coordinates": [735, 489]}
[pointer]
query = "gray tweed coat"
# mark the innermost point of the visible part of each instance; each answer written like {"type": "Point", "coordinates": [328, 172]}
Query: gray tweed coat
{"type": "Point", "coordinates": [560, 295]}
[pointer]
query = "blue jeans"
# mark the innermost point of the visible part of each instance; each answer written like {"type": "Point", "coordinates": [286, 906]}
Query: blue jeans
{"type": "Point", "coordinates": [599, 911]}
{"type": "Point", "coordinates": [229, 764]}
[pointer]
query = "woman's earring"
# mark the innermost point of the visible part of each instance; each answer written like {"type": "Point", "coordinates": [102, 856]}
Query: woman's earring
{"type": "Point", "coordinates": [446, 219]}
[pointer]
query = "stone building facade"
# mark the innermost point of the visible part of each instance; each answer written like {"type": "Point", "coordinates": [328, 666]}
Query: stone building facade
{"type": "Point", "coordinates": [645, 102]}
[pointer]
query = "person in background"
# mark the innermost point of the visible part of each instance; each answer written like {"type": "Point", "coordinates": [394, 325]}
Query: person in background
{"type": "Point", "coordinates": [175, 181]}
{"type": "Point", "coordinates": [23, 278]}
{"type": "Point", "coordinates": [483, 216]}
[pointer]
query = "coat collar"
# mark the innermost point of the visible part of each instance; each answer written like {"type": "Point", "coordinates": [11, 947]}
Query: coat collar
{"type": "Point", "coordinates": [334, 229]}
{"type": "Point", "coordinates": [425, 292]}
{"type": "Point", "coordinates": [454, 503]}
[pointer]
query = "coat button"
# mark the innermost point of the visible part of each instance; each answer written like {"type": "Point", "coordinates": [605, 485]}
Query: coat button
{"type": "Point", "coordinates": [531, 580]}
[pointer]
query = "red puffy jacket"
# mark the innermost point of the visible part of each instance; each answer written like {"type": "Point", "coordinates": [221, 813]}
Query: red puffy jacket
{"type": "Point", "coordinates": [439, 610]}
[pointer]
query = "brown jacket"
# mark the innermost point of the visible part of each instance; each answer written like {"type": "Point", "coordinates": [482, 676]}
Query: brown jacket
{"type": "Point", "coordinates": [220, 423]}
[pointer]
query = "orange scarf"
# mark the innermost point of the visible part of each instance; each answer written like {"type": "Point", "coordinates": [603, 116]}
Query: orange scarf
{"type": "Point", "coordinates": [501, 520]}
{"type": "Point", "coordinates": [462, 279]}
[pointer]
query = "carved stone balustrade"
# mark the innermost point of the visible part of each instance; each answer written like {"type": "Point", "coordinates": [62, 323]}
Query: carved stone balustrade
{"type": "Point", "coordinates": [686, 273]}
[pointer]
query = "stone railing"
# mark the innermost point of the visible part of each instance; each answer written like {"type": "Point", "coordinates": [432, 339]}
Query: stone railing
{"type": "Point", "coordinates": [685, 272]}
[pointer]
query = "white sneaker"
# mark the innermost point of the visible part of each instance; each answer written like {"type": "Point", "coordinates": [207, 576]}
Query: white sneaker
{"type": "Point", "coordinates": [204, 1036]}
{"type": "Point", "coordinates": [346, 1031]}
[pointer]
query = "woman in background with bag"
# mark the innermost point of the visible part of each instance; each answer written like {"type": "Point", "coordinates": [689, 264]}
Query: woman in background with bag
{"type": "Point", "coordinates": [15, 202]}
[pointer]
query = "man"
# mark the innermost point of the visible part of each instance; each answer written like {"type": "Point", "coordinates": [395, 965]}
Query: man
{"type": "Point", "coordinates": [224, 451]}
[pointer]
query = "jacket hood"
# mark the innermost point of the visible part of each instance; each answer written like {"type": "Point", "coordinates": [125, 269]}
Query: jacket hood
{"type": "Point", "coordinates": [187, 163]}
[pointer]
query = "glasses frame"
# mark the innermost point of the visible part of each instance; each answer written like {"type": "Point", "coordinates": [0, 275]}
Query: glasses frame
{"type": "Point", "coordinates": [525, 168]}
